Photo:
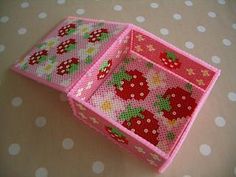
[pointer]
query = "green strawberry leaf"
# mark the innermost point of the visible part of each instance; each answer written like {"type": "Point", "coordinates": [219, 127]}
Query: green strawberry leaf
{"type": "Point", "coordinates": [103, 37]}
{"type": "Point", "coordinates": [119, 76]}
{"type": "Point", "coordinates": [103, 66]}
{"type": "Point", "coordinates": [25, 66]}
{"type": "Point", "coordinates": [43, 58]}
{"type": "Point", "coordinates": [171, 56]}
{"type": "Point", "coordinates": [162, 103]}
{"type": "Point", "coordinates": [71, 31]}
{"type": "Point", "coordinates": [73, 68]}
{"type": "Point", "coordinates": [88, 59]}
{"type": "Point", "coordinates": [49, 77]}
{"type": "Point", "coordinates": [170, 136]}
{"type": "Point", "coordinates": [149, 65]}
{"type": "Point", "coordinates": [189, 87]}
{"type": "Point", "coordinates": [52, 59]}
{"type": "Point", "coordinates": [117, 132]}
{"type": "Point", "coordinates": [86, 35]}
{"type": "Point", "coordinates": [70, 47]}
{"type": "Point", "coordinates": [130, 113]}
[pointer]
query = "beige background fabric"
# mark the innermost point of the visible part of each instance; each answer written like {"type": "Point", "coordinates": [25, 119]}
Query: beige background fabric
{"type": "Point", "coordinates": [39, 135]}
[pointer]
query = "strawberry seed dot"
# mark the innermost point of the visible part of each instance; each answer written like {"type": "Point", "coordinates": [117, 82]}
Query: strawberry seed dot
{"type": "Point", "coordinates": [138, 122]}
{"type": "Point", "coordinates": [133, 130]}
{"type": "Point", "coordinates": [179, 105]}
{"type": "Point", "coordinates": [189, 107]}
{"type": "Point", "coordinates": [141, 94]}
{"type": "Point", "coordinates": [132, 85]}
{"type": "Point", "coordinates": [141, 83]}
{"type": "Point", "coordinates": [183, 97]}
{"type": "Point", "coordinates": [132, 95]}
{"type": "Point", "coordinates": [145, 130]}
{"type": "Point", "coordinates": [173, 95]}
{"type": "Point", "coordinates": [134, 76]}
{"type": "Point", "coordinates": [174, 113]}
{"type": "Point", "coordinates": [154, 131]}
{"type": "Point", "coordinates": [148, 120]}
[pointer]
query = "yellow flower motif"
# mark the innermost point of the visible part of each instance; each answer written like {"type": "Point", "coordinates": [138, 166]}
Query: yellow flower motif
{"type": "Point", "coordinates": [46, 69]}
{"type": "Point", "coordinates": [156, 79]}
{"type": "Point", "coordinates": [49, 43]}
{"type": "Point", "coordinates": [85, 28]}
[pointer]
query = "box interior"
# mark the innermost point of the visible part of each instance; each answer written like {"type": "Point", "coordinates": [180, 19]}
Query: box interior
{"type": "Point", "coordinates": [144, 97]}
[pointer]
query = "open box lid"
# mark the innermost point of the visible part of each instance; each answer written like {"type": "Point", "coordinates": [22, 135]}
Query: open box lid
{"type": "Point", "coordinates": [61, 58]}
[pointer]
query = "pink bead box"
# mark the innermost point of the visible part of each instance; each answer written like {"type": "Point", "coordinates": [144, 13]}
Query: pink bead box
{"type": "Point", "coordinates": [136, 89]}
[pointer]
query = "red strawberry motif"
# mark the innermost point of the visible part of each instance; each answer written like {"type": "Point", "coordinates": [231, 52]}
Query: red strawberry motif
{"type": "Point", "coordinates": [141, 122]}
{"type": "Point", "coordinates": [130, 84]}
{"type": "Point", "coordinates": [38, 57]}
{"type": "Point", "coordinates": [66, 30]}
{"type": "Point", "coordinates": [68, 67]}
{"type": "Point", "coordinates": [169, 59]}
{"type": "Point", "coordinates": [176, 103]}
{"type": "Point", "coordinates": [66, 46]}
{"type": "Point", "coordinates": [116, 135]}
{"type": "Point", "coordinates": [97, 35]}
{"type": "Point", "coordinates": [104, 69]}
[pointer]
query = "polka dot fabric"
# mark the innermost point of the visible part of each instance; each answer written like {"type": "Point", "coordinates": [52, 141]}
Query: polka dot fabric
{"type": "Point", "coordinates": [34, 147]}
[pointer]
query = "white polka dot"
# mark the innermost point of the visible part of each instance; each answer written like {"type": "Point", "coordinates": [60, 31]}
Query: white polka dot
{"type": "Point", "coordinates": [63, 97]}
{"type": "Point", "coordinates": [40, 121]}
{"type": "Point", "coordinates": [201, 28]}
{"type": "Point", "coordinates": [234, 26]}
{"type": "Point", "coordinates": [215, 59]}
{"type": "Point", "coordinates": [164, 31]}
{"type": "Point", "coordinates": [98, 167]}
{"type": "Point", "coordinates": [24, 5]}
{"type": "Point", "coordinates": [186, 176]}
{"type": "Point", "coordinates": [42, 15]}
{"type": "Point", "coordinates": [22, 31]}
{"type": "Point", "coordinates": [226, 42]}
{"type": "Point", "coordinates": [16, 101]}
{"type": "Point", "coordinates": [41, 172]}
{"type": "Point", "coordinates": [177, 16]}
{"type": "Point", "coordinates": [117, 8]}
{"type": "Point", "coordinates": [2, 48]}
{"type": "Point", "coordinates": [140, 19]}
{"type": "Point", "coordinates": [205, 149]}
{"type": "Point", "coordinates": [189, 45]}
{"type": "Point", "coordinates": [212, 14]}
{"type": "Point", "coordinates": [80, 11]}
{"type": "Point", "coordinates": [61, 1]}
{"type": "Point", "coordinates": [220, 121]}
{"type": "Point", "coordinates": [235, 171]}
{"type": "Point", "coordinates": [232, 96]}
{"type": "Point", "coordinates": [154, 5]}
{"type": "Point", "coordinates": [188, 3]}
{"type": "Point", "coordinates": [222, 2]}
{"type": "Point", "coordinates": [14, 149]}
{"type": "Point", "coordinates": [68, 143]}
{"type": "Point", "coordinates": [4, 19]}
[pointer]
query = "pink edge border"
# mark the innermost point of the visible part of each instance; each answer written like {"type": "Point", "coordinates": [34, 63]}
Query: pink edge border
{"type": "Point", "coordinates": [57, 86]}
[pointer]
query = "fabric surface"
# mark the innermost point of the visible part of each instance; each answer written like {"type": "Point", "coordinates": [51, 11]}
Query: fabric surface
{"type": "Point", "coordinates": [39, 135]}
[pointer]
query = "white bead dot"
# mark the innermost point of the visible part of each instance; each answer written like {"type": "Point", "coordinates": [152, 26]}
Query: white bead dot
{"type": "Point", "coordinates": [164, 31]}
{"type": "Point", "coordinates": [188, 3]}
{"type": "Point", "coordinates": [222, 2]}
{"type": "Point", "coordinates": [154, 5]}
{"type": "Point", "coordinates": [80, 11]}
{"type": "Point", "coordinates": [42, 15]}
{"type": "Point", "coordinates": [4, 19]}
{"type": "Point", "coordinates": [2, 48]}
{"type": "Point", "coordinates": [24, 5]}
{"type": "Point", "coordinates": [40, 121]}
{"type": "Point", "coordinates": [189, 45]}
{"type": "Point", "coordinates": [232, 96]}
{"type": "Point", "coordinates": [201, 28]}
{"type": "Point", "coordinates": [212, 14]}
{"type": "Point", "coordinates": [63, 97]}
{"type": "Point", "coordinates": [205, 149]}
{"type": "Point", "coordinates": [177, 16]}
{"type": "Point", "coordinates": [98, 167]}
{"type": "Point", "coordinates": [117, 8]}
{"type": "Point", "coordinates": [14, 149]}
{"type": "Point", "coordinates": [220, 121]}
{"type": "Point", "coordinates": [61, 1]}
{"type": "Point", "coordinates": [22, 31]}
{"type": "Point", "coordinates": [16, 101]}
{"type": "Point", "coordinates": [41, 172]}
{"type": "Point", "coordinates": [234, 26]}
{"type": "Point", "coordinates": [68, 143]}
{"type": "Point", "coordinates": [140, 19]}
{"type": "Point", "coordinates": [226, 42]}
{"type": "Point", "coordinates": [215, 59]}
